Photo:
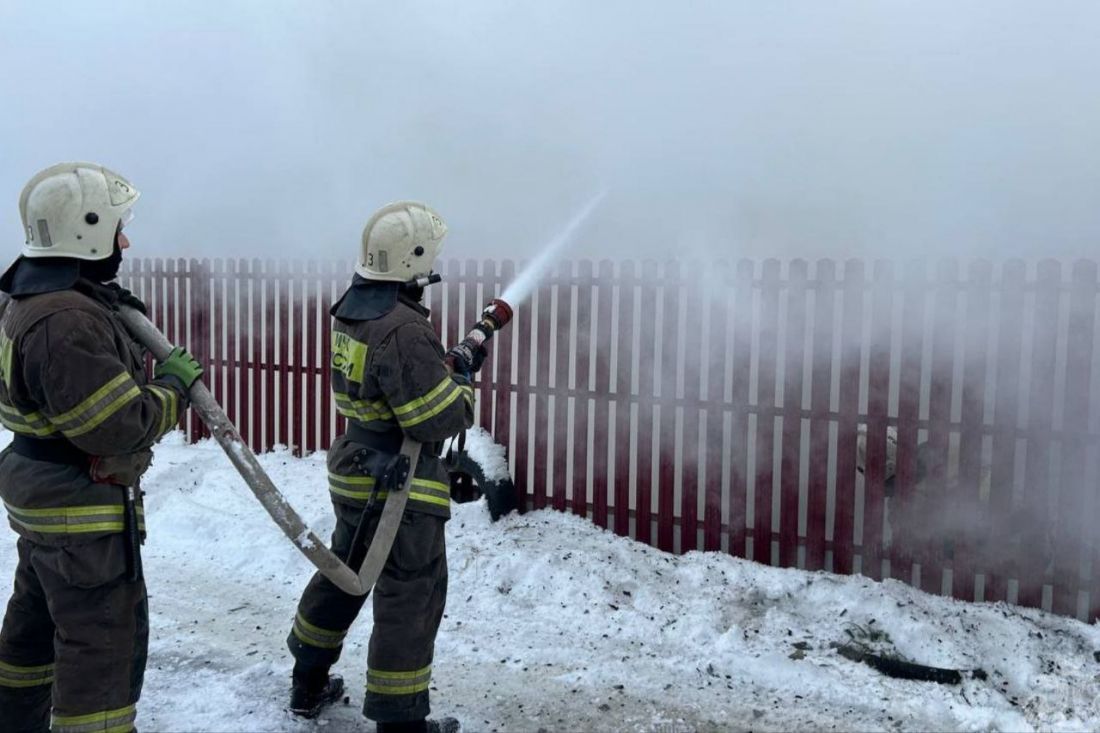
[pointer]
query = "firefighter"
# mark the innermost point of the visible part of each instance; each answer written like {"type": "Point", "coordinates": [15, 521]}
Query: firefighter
{"type": "Point", "coordinates": [390, 379]}
{"type": "Point", "coordinates": [83, 413]}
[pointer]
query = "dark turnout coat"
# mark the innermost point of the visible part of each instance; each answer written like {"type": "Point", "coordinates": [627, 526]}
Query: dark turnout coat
{"type": "Point", "coordinates": [73, 390]}
{"type": "Point", "coordinates": [70, 372]}
{"type": "Point", "coordinates": [388, 375]}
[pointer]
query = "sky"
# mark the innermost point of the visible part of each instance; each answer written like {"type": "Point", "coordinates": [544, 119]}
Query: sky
{"type": "Point", "coordinates": [718, 129]}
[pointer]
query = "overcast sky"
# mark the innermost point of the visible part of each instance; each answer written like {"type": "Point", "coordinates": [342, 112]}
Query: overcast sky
{"type": "Point", "coordinates": [758, 128]}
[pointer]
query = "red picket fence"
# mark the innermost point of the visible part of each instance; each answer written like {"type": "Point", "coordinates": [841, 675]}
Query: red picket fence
{"type": "Point", "coordinates": [722, 408]}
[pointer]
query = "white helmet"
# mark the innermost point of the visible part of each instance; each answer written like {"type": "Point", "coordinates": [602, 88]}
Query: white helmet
{"type": "Point", "coordinates": [400, 242]}
{"type": "Point", "coordinates": [74, 210]}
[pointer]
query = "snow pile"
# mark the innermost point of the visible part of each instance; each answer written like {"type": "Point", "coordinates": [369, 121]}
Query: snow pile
{"type": "Point", "coordinates": [492, 457]}
{"type": "Point", "coordinates": [554, 624]}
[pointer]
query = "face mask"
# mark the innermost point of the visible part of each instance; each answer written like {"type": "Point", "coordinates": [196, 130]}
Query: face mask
{"type": "Point", "coordinates": [104, 270]}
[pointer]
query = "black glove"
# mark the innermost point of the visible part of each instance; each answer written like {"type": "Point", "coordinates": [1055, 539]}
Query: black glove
{"type": "Point", "coordinates": [467, 356]}
{"type": "Point", "coordinates": [125, 297]}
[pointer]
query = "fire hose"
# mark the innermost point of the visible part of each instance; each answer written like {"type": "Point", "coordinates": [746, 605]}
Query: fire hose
{"type": "Point", "coordinates": [352, 581]}
{"type": "Point", "coordinates": [244, 460]}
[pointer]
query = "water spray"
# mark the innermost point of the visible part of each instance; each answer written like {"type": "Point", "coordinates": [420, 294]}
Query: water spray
{"type": "Point", "coordinates": [498, 313]}
{"type": "Point", "coordinates": [522, 287]}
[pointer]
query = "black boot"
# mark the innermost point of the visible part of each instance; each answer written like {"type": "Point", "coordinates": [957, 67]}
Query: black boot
{"type": "Point", "coordinates": [443, 725]}
{"type": "Point", "coordinates": [311, 689]}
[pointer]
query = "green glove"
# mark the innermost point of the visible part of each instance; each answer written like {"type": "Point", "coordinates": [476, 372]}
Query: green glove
{"type": "Point", "coordinates": [181, 365]}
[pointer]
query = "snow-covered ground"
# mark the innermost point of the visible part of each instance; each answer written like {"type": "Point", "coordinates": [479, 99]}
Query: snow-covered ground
{"type": "Point", "coordinates": [553, 624]}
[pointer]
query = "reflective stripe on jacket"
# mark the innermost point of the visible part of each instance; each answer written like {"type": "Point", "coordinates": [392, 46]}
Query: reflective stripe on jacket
{"type": "Point", "coordinates": [389, 374]}
{"type": "Point", "coordinates": [69, 370]}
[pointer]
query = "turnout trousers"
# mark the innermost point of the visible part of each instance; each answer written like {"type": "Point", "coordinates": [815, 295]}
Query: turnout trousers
{"type": "Point", "coordinates": [74, 639]}
{"type": "Point", "coordinates": [408, 602]}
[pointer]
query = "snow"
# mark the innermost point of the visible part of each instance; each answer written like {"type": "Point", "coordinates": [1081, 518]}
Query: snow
{"type": "Point", "coordinates": [557, 625]}
{"type": "Point", "coordinates": [491, 456]}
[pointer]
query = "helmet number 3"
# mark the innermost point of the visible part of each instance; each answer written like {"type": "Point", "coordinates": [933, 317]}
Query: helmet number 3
{"type": "Point", "coordinates": [370, 259]}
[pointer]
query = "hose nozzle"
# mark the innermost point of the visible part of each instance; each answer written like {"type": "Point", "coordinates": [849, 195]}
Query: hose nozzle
{"type": "Point", "coordinates": [499, 312]}
{"type": "Point", "coordinates": [496, 316]}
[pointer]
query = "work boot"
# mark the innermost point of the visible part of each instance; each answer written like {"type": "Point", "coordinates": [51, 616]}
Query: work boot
{"type": "Point", "coordinates": [312, 690]}
{"type": "Point", "coordinates": [443, 725]}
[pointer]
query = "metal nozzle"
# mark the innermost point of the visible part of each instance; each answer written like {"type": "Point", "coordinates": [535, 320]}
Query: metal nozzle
{"type": "Point", "coordinates": [499, 312]}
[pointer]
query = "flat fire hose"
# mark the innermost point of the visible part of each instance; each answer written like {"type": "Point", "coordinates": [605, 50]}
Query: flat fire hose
{"type": "Point", "coordinates": [261, 485]}
{"type": "Point", "coordinates": [390, 521]}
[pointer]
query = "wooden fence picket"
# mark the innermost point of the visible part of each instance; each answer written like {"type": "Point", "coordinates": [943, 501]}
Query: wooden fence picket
{"type": "Point", "coordinates": [705, 414]}
{"type": "Point", "coordinates": [625, 407]}
{"type": "Point", "coordinates": [821, 376]}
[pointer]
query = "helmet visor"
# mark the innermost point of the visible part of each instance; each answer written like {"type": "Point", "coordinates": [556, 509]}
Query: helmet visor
{"type": "Point", "coordinates": [127, 217]}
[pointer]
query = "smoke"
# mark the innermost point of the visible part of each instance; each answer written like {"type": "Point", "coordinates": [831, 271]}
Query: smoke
{"type": "Point", "coordinates": [976, 389]}
{"type": "Point", "coordinates": [760, 129]}
{"type": "Point", "coordinates": [726, 130]}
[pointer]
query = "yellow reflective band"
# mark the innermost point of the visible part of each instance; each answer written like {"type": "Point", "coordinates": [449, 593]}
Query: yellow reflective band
{"type": "Point", "coordinates": [106, 717]}
{"type": "Point", "coordinates": [361, 410]}
{"type": "Point", "coordinates": [429, 499]}
{"type": "Point", "coordinates": [413, 496]}
{"type": "Point", "coordinates": [20, 684]}
{"type": "Point", "coordinates": [358, 495]}
{"type": "Point", "coordinates": [338, 485]}
{"type": "Point", "coordinates": [349, 357]}
{"type": "Point", "coordinates": [31, 423]}
{"type": "Point", "coordinates": [353, 480]}
{"type": "Point", "coordinates": [386, 675]}
{"type": "Point", "coordinates": [14, 676]}
{"type": "Point", "coordinates": [23, 428]}
{"type": "Point", "coordinates": [429, 484]}
{"type": "Point", "coordinates": [95, 397]}
{"type": "Point", "coordinates": [168, 401]}
{"type": "Point", "coordinates": [5, 358]}
{"type": "Point", "coordinates": [398, 683]}
{"type": "Point", "coordinates": [398, 689]}
{"type": "Point", "coordinates": [68, 511]}
{"type": "Point", "coordinates": [71, 528]}
{"type": "Point", "coordinates": [417, 419]}
{"type": "Point", "coordinates": [118, 724]}
{"type": "Point", "coordinates": [163, 407]}
{"type": "Point", "coordinates": [307, 633]}
{"type": "Point", "coordinates": [106, 413]}
{"type": "Point", "coordinates": [72, 520]}
{"type": "Point", "coordinates": [376, 407]}
{"type": "Point", "coordinates": [422, 401]}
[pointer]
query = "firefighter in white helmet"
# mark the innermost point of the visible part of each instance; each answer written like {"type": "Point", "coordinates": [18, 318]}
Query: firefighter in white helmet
{"type": "Point", "coordinates": [390, 380]}
{"type": "Point", "coordinates": [84, 414]}
{"type": "Point", "coordinates": [400, 243]}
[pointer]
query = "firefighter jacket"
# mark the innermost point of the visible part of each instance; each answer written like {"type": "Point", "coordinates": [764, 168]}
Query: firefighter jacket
{"type": "Point", "coordinates": [389, 376]}
{"type": "Point", "coordinates": [70, 371]}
